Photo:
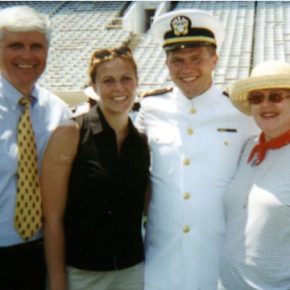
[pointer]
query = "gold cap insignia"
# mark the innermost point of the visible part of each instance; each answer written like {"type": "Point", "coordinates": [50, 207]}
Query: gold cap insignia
{"type": "Point", "coordinates": [180, 25]}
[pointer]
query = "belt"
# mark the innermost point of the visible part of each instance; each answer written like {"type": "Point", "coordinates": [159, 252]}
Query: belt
{"type": "Point", "coordinates": [22, 246]}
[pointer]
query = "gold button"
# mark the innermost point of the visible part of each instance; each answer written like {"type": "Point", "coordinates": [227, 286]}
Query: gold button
{"type": "Point", "coordinates": [186, 162]}
{"type": "Point", "coordinates": [226, 143]}
{"type": "Point", "coordinates": [192, 110]}
{"type": "Point", "coordinates": [186, 229]}
{"type": "Point", "coordinates": [189, 131]}
{"type": "Point", "coordinates": [186, 195]}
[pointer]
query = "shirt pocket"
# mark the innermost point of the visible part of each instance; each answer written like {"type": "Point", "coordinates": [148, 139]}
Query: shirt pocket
{"type": "Point", "coordinates": [162, 143]}
{"type": "Point", "coordinates": [221, 154]}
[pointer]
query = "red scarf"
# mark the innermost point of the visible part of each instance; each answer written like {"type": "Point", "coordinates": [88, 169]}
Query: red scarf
{"type": "Point", "coordinates": [261, 148]}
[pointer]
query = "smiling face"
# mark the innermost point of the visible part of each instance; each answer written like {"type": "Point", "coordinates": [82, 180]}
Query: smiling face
{"type": "Point", "coordinates": [116, 84]}
{"type": "Point", "coordinates": [272, 117]}
{"type": "Point", "coordinates": [23, 58]}
{"type": "Point", "coordinates": [191, 69]}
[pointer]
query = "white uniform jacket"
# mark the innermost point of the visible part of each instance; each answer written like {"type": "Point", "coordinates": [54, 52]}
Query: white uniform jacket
{"type": "Point", "coordinates": [195, 146]}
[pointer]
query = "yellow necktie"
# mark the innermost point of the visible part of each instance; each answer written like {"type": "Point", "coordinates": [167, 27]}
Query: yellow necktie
{"type": "Point", "coordinates": [28, 213]}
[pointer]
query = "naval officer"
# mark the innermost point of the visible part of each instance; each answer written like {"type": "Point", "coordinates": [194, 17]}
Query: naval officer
{"type": "Point", "coordinates": [196, 137]}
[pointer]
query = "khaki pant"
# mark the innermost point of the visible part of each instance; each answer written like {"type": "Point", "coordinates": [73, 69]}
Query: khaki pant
{"type": "Point", "coordinates": [127, 279]}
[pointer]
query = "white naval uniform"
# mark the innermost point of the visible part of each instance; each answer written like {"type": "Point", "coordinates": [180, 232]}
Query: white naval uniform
{"type": "Point", "coordinates": [194, 151]}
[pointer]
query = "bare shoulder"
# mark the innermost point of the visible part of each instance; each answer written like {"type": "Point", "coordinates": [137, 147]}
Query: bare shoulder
{"type": "Point", "coordinates": [67, 130]}
{"type": "Point", "coordinates": [63, 143]}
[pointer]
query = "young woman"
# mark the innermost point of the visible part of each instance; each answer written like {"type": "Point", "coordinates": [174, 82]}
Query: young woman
{"type": "Point", "coordinates": [256, 251]}
{"type": "Point", "coordinates": [94, 177]}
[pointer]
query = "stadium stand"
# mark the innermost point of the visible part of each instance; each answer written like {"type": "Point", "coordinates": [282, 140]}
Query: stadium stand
{"type": "Point", "coordinates": [78, 29]}
{"type": "Point", "coordinates": [255, 31]}
{"type": "Point", "coordinates": [272, 32]}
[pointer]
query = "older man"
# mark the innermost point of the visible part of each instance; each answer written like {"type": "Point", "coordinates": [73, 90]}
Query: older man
{"type": "Point", "coordinates": [28, 115]}
{"type": "Point", "coordinates": [196, 137]}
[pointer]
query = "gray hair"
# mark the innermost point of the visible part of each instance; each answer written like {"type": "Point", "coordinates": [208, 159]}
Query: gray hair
{"type": "Point", "coordinates": [23, 19]}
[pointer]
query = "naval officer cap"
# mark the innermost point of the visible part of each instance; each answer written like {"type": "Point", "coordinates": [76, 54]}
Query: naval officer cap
{"type": "Point", "coordinates": [187, 28]}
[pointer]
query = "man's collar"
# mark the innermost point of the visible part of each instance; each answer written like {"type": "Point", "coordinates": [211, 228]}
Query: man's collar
{"type": "Point", "coordinates": [11, 94]}
{"type": "Point", "coordinates": [205, 99]}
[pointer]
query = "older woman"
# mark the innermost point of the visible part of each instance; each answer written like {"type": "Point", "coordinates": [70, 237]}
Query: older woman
{"type": "Point", "coordinates": [256, 251]}
{"type": "Point", "coordinates": [103, 165]}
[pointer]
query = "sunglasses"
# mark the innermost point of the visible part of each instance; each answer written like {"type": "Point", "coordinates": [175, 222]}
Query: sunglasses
{"type": "Point", "coordinates": [108, 53]}
{"type": "Point", "coordinates": [256, 98]}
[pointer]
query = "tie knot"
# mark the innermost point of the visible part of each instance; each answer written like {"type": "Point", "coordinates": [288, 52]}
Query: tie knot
{"type": "Point", "coordinates": [24, 101]}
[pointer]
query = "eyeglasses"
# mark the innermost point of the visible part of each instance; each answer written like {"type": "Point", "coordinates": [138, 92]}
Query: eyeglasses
{"type": "Point", "coordinates": [256, 98]}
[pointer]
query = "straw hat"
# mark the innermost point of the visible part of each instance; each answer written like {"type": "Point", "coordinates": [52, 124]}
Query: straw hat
{"type": "Point", "coordinates": [267, 75]}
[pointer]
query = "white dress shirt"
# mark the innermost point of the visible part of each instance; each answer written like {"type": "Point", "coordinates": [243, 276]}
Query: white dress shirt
{"type": "Point", "coordinates": [47, 112]}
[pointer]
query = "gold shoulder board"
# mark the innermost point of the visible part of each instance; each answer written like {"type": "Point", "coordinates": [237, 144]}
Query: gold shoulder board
{"type": "Point", "coordinates": [155, 92]}
{"type": "Point", "coordinates": [226, 92]}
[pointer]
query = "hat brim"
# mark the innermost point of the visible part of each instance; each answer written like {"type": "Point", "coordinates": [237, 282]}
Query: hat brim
{"type": "Point", "coordinates": [239, 90]}
{"type": "Point", "coordinates": [181, 45]}
{"type": "Point", "coordinates": [90, 93]}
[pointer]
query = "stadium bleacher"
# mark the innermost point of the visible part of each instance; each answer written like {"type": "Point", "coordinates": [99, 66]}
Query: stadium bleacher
{"type": "Point", "coordinates": [255, 31]}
